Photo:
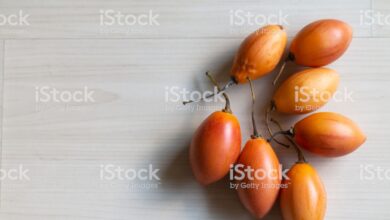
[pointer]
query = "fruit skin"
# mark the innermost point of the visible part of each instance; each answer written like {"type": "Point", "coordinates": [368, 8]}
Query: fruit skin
{"type": "Point", "coordinates": [258, 154]}
{"type": "Point", "coordinates": [328, 134]}
{"type": "Point", "coordinates": [215, 145]}
{"type": "Point", "coordinates": [259, 53]}
{"type": "Point", "coordinates": [321, 42]}
{"type": "Point", "coordinates": [304, 198]}
{"type": "Point", "coordinates": [290, 100]}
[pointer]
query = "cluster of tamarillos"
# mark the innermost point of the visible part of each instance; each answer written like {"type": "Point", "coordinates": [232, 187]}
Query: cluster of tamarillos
{"type": "Point", "coordinates": [216, 144]}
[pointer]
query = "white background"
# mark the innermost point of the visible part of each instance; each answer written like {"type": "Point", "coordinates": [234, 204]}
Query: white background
{"type": "Point", "coordinates": [131, 124]}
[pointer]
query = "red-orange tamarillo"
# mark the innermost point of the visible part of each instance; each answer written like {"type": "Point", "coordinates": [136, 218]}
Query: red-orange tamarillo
{"type": "Point", "coordinates": [258, 194]}
{"type": "Point", "coordinates": [327, 134]}
{"type": "Point", "coordinates": [304, 197]}
{"type": "Point", "coordinates": [257, 56]}
{"type": "Point", "coordinates": [319, 44]}
{"type": "Point", "coordinates": [215, 145]}
{"type": "Point", "coordinates": [306, 91]}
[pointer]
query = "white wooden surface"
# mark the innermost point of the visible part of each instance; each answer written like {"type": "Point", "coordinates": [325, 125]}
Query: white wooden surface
{"type": "Point", "coordinates": [132, 125]}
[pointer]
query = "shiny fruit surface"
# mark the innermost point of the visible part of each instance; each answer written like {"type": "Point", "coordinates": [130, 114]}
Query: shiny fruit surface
{"type": "Point", "coordinates": [321, 42]}
{"type": "Point", "coordinates": [306, 91]}
{"type": "Point", "coordinates": [259, 53]}
{"type": "Point", "coordinates": [215, 145]}
{"type": "Point", "coordinates": [304, 197]}
{"type": "Point", "coordinates": [258, 194]}
{"type": "Point", "coordinates": [328, 134]}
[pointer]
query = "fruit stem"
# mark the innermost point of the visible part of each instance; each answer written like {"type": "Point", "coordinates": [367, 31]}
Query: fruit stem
{"type": "Point", "coordinates": [270, 109]}
{"type": "Point", "coordinates": [255, 132]}
{"type": "Point", "coordinates": [227, 105]}
{"type": "Point", "coordinates": [230, 83]}
{"type": "Point", "coordinates": [279, 73]}
{"type": "Point", "coordinates": [288, 134]}
{"type": "Point", "coordinates": [272, 138]}
{"type": "Point", "coordinates": [290, 57]}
